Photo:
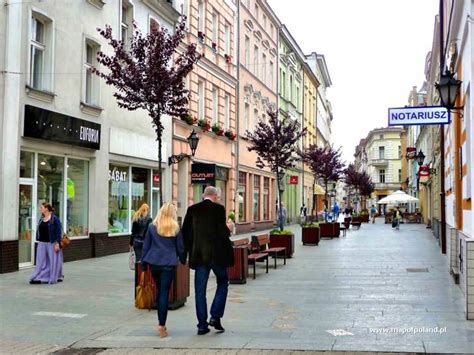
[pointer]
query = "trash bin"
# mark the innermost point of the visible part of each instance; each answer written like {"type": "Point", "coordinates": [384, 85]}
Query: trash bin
{"type": "Point", "coordinates": [239, 272]}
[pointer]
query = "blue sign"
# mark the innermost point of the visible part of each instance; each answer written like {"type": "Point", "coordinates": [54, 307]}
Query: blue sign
{"type": "Point", "coordinates": [418, 115]}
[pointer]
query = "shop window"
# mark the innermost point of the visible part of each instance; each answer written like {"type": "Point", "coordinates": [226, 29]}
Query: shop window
{"type": "Point", "coordinates": [242, 196]}
{"type": "Point", "coordinates": [221, 187]}
{"type": "Point", "coordinates": [266, 199]}
{"type": "Point", "coordinates": [77, 201]}
{"type": "Point", "coordinates": [256, 197]}
{"type": "Point", "coordinates": [50, 183]}
{"type": "Point", "coordinates": [155, 198]}
{"type": "Point", "coordinates": [140, 188]}
{"type": "Point", "coordinates": [27, 164]}
{"type": "Point", "coordinates": [118, 199]}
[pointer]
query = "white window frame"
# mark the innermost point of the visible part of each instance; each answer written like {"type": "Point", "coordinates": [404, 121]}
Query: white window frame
{"type": "Point", "coordinates": [128, 24]}
{"type": "Point", "coordinates": [255, 116]}
{"type": "Point", "coordinates": [227, 39]}
{"type": "Point", "coordinates": [201, 16]}
{"type": "Point", "coordinates": [270, 78]}
{"type": "Point", "coordinates": [201, 99]}
{"type": "Point", "coordinates": [215, 105]}
{"type": "Point", "coordinates": [264, 68]}
{"type": "Point", "coordinates": [226, 111]}
{"type": "Point", "coordinates": [95, 97]}
{"type": "Point", "coordinates": [255, 60]}
{"type": "Point", "coordinates": [48, 47]}
{"type": "Point", "coordinates": [152, 19]}
{"type": "Point", "coordinates": [247, 115]}
{"type": "Point", "coordinates": [247, 51]}
{"type": "Point", "coordinates": [215, 27]}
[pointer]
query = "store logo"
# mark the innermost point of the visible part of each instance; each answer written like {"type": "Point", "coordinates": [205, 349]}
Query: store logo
{"type": "Point", "coordinates": [89, 134]}
{"type": "Point", "coordinates": [202, 176]}
{"type": "Point", "coordinates": [116, 175]}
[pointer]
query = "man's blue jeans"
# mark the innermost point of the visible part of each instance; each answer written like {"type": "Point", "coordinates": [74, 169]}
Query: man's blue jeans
{"type": "Point", "coordinates": [201, 276]}
{"type": "Point", "coordinates": [163, 276]}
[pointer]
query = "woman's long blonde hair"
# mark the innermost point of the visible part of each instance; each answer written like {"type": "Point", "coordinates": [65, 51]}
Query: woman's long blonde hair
{"type": "Point", "coordinates": [166, 221]}
{"type": "Point", "coordinates": [141, 212]}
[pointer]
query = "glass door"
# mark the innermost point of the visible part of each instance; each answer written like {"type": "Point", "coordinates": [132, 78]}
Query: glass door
{"type": "Point", "coordinates": [26, 225]}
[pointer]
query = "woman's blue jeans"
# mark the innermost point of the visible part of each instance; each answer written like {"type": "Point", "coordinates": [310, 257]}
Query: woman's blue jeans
{"type": "Point", "coordinates": [163, 276]}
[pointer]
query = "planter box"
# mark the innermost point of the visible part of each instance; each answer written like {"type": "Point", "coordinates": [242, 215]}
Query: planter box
{"type": "Point", "coordinates": [287, 241]}
{"type": "Point", "coordinates": [179, 291]}
{"type": "Point", "coordinates": [310, 235]}
{"type": "Point", "coordinates": [364, 218]}
{"type": "Point", "coordinates": [329, 230]}
{"type": "Point", "coordinates": [239, 272]}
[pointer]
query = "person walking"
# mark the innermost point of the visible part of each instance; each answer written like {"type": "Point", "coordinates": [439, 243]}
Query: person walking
{"type": "Point", "coordinates": [162, 248]}
{"type": "Point", "coordinates": [398, 217]}
{"type": "Point", "coordinates": [373, 213]}
{"type": "Point", "coordinates": [336, 211]}
{"type": "Point", "coordinates": [49, 256]}
{"type": "Point", "coordinates": [207, 241]}
{"type": "Point", "coordinates": [303, 214]}
{"type": "Point", "coordinates": [140, 223]}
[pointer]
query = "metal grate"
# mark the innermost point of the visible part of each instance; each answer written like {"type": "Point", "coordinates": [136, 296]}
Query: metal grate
{"type": "Point", "coordinates": [420, 269]}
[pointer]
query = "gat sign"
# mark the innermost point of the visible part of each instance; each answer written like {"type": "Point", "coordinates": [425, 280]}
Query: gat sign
{"type": "Point", "coordinates": [418, 115]}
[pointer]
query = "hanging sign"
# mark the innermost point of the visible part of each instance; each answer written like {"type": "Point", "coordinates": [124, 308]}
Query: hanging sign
{"type": "Point", "coordinates": [411, 152]}
{"type": "Point", "coordinates": [418, 115]}
{"type": "Point", "coordinates": [294, 179]}
{"type": "Point", "coordinates": [202, 173]}
{"type": "Point", "coordinates": [424, 171]}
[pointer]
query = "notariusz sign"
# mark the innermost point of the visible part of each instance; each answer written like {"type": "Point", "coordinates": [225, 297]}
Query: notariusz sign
{"type": "Point", "coordinates": [418, 115]}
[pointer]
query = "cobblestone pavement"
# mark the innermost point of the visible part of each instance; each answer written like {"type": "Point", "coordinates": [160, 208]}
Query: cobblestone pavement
{"type": "Point", "coordinates": [376, 290]}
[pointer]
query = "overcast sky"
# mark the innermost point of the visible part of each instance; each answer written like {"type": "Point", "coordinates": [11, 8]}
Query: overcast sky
{"type": "Point", "coordinates": [375, 51]}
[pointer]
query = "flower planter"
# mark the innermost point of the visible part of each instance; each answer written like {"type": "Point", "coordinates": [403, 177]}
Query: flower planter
{"type": "Point", "coordinates": [329, 230]}
{"type": "Point", "coordinates": [286, 240]}
{"type": "Point", "coordinates": [310, 235]}
{"type": "Point", "coordinates": [364, 218]}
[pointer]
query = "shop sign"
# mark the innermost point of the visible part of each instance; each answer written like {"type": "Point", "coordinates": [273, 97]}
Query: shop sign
{"type": "Point", "coordinates": [156, 179]}
{"type": "Point", "coordinates": [424, 171]}
{"type": "Point", "coordinates": [53, 126]}
{"type": "Point", "coordinates": [202, 173]}
{"type": "Point", "coordinates": [418, 116]}
{"type": "Point", "coordinates": [411, 152]}
{"type": "Point", "coordinates": [117, 175]}
{"type": "Point", "coordinates": [294, 179]}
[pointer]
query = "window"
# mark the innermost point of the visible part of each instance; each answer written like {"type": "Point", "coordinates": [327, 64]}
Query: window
{"type": "Point", "coordinates": [242, 196]}
{"type": "Point", "coordinates": [215, 28]}
{"type": "Point", "coordinates": [201, 16]}
{"type": "Point", "coordinates": [140, 188]}
{"type": "Point", "coordinates": [291, 88]}
{"type": "Point", "coordinates": [91, 82]}
{"type": "Point", "coordinates": [247, 51]}
{"type": "Point", "coordinates": [297, 103]}
{"type": "Point", "coordinates": [255, 61]}
{"type": "Point", "coordinates": [381, 136]}
{"type": "Point", "coordinates": [255, 117]}
{"type": "Point", "coordinates": [256, 197]}
{"type": "Point", "coordinates": [382, 176]}
{"type": "Point", "coordinates": [118, 199]}
{"type": "Point", "coordinates": [264, 22]}
{"type": "Point", "coordinates": [51, 183]}
{"type": "Point", "coordinates": [247, 116]}
{"type": "Point", "coordinates": [266, 199]}
{"type": "Point", "coordinates": [41, 44]}
{"type": "Point", "coordinates": [270, 77]}
{"type": "Point", "coordinates": [215, 105]}
{"type": "Point", "coordinates": [283, 83]}
{"type": "Point", "coordinates": [264, 68]}
{"type": "Point", "coordinates": [154, 25]}
{"type": "Point", "coordinates": [226, 111]}
{"type": "Point", "coordinates": [77, 203]}
{"type": "Point", "coordinates": [227, 39]}
{"type": "Point", "coordinates": [126, 22]}
{"type": "Point", "coordinates": [381, 152]}
{"type": "Point", "coordinates": [400, 175]}
{"type": "Point", "coordinates": [271, 30]}
{"type": "Point", "coordinates": [399, 152]}
{"type": "Point", "coordinates": [201, 99]}
{"type": "Point", "coordinates": [257, 14]}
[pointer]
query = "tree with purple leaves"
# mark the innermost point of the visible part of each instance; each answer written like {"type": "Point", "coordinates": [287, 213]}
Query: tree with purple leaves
{"type": "Point", "coordinates": [276, 144]}
{"type": "Point", "coordinates": [359, 181]}
{"type": "Point", "coordinates": [148, 73]}
{"type": "Point", "coordinates": [326, 165]}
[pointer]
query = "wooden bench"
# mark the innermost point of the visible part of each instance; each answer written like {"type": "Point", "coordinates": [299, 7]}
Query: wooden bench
{"type": "Point", "coordinates": [260, 244]}
{"type": "Point", "coordinates": [254, 257]}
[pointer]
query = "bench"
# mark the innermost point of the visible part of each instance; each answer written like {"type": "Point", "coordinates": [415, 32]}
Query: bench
{"type": "Point", "coordinates": [343, 229]}
{"type": "Point", "coordinates": [356, 224]}
{"type": "Point", "coordinates": [254, 257]}
{"type": "Point", "coordinates": [260, 244]}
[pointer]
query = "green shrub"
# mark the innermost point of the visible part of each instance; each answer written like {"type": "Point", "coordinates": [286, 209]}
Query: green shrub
{"type": "Point", "coordinates": [311, 225]}
{"type": "Point", "coordinates": [279, 232]}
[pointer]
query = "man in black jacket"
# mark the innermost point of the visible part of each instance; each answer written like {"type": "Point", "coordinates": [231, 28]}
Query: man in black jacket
{"type": "Point", "coordinates": [206, 238]}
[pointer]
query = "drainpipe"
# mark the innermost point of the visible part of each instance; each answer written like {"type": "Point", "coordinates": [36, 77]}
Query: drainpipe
{"type": "Point", "coordinates": [442, 167]}
{"type": "Point", "coordinates": [237, 114]}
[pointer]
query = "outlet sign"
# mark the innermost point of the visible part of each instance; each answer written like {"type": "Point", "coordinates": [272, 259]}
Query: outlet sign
{"type": "Point", "coordinates": [418, 115]}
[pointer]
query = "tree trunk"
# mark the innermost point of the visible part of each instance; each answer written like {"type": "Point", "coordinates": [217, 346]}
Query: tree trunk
{"type": "Point", "coordinates": [313, 210]}
{"type": "Point", "coordinates": [159, 166]}
{"type": "Point", "coordinates": [280, 212]}
{"type": "Point", "coordinates": [326, 201]}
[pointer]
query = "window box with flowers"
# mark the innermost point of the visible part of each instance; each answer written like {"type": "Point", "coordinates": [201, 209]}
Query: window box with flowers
{"type": "Point", "coordinates": [214, 46]}
{"type": "Point", "coordinates": [230, 134]}
{"type": "Point", "coordinates": [228, 58]}
{"type": "Point", "coordinates": [204, 124]}
{"type": "Point", "coordinates": [190, 120]}
{"type": "Point", "coordinates": [201, 36]}
{"type": "Point", "coordinates": [217, 129]}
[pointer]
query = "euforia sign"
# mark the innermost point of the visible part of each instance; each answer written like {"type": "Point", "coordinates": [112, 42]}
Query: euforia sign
{"type": "Point", "coordinates": [418, 115]}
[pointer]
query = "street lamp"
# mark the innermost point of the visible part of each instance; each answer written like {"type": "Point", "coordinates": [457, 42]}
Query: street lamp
{"type": "Point", "coordinates": [448, 89]}
{"type": "Point", "coordinates": [420, 157]}
{"type": "Point", "coordinates": [193, 141]}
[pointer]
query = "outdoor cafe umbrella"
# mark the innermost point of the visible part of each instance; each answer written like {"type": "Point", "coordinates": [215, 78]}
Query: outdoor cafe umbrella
{"type": "Point", "coordinates": [398, 197]}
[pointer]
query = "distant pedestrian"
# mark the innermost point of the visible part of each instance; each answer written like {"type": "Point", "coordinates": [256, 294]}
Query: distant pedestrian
{"type": "Point", "coordinates": [373, 213]}
{"type": "Point", "coordinates": [207, 240]}
{"type": "Point", "coordinates": [49, 256]}
{"type": "Point", "coordinates": [140, 222]}
{"type": "Point", "coordinates": [397, 217]}
{"type": "Point", "coordinates": [303, 214]}
{"type": "Point", "coordinates": [282, 216]}
{"type": "Point", "coordinates": [336, 210]}
{"type": "Point", "coordinates": [162, 248]}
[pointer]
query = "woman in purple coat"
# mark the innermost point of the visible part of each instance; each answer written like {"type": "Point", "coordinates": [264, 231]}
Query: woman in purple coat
{"type": "Point", "coordinates": [49, 256]}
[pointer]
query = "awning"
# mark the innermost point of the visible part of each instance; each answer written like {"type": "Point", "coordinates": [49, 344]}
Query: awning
{"type": "Point", "coordinates": [318, 190]}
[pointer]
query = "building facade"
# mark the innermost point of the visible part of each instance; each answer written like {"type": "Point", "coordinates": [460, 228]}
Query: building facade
{"type": "Point", "coordinates": [63, 137]}
{"type": "Point", "coordinates": [290, 105]}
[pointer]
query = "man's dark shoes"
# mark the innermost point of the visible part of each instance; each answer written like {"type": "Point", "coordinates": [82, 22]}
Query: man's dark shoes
{"type": "Point", "coordinates": [203, 331]}
{"type": "Point", "coordinates": [35, 282]}
{"type": "Point", "coordinates": [216, 324]}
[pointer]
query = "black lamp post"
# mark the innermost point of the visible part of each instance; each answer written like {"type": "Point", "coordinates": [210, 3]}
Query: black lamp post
{"type": "Point", "coordinates": [448, 89]}
{"type": "Point", "coordinates": [193, 141]}
{"type": "Point", "coordinates": [420, 157]}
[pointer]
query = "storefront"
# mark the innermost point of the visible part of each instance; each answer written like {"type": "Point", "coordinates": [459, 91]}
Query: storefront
{"type": "Point", "coordinates": [61, 180]}
{"type": "Point", "coordinates": [203, 175]}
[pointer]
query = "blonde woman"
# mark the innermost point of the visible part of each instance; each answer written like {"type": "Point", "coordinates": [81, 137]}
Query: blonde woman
{"type": "Point", "coordinates": [162, 249]}
{"type": "Point", "coordinates": [140, 223]}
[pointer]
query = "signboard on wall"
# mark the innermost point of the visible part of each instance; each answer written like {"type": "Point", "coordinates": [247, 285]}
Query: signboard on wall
{"type": "Point", "coordinates": [294, 179]}
{"type": "Point", "coordinates": [418, 116]}
{"type": "Point", "coordinates": [56, 127]}
{"type": "Point", "coordinates": [202, 173]}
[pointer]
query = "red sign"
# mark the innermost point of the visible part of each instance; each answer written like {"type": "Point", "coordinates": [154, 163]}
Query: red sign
{"type": "Point", "coordinates": [411, 152]}
{"type": "Point", "coordinates": [424, 171]}
{"type": "Point", "coordinates": [156, 179]}
{"type": "Point", "coordinates": [294, 179]}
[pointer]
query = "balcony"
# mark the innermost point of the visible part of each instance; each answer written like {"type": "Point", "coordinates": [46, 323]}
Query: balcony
{"type": "Point", "coordinates": [379, 162]}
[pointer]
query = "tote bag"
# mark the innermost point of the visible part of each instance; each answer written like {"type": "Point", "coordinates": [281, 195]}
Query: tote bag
{"type": "Point", "coordinates": [146, 291]}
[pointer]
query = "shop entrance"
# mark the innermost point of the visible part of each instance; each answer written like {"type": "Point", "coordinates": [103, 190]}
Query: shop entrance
{"type": "Point", "coordinates": [26, 224]}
